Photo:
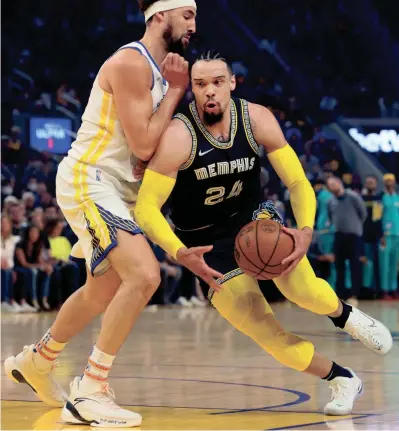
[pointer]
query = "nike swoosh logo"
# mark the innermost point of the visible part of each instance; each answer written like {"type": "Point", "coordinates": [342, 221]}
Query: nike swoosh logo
{"type": "Point", "coordinates": [205, 152]}
{"type": "Point", "coordinates": [368, 317]}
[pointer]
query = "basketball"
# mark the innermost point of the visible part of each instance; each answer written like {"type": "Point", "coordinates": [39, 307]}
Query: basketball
{"type": "Point", "coordinates": [260, 247]}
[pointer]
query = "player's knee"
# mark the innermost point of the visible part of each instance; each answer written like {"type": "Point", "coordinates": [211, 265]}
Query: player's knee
{"type": "Point", "coordinates": [292, 351]}
{"type": "Point", "coordinates": [100, 296]}
{"type": "Point", "coordinates": [143, 280]}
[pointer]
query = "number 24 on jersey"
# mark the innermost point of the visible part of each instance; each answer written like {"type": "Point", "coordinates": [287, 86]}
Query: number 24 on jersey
{"type": "Point", "coordinates": [218, 193]}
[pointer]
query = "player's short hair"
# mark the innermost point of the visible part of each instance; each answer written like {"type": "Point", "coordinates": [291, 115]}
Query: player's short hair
{"type": "Point", "coordinates": [372, 176]}
{"type": "Point", "coordinates": [212, 55]}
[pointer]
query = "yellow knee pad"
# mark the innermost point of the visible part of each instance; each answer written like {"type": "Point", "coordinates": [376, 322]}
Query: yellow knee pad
{"type": "Point", "coordinates": [242, 303]}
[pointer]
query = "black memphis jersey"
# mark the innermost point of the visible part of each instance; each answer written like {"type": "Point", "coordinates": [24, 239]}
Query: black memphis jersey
{"type": "Point", "coordinates": [220, 179]}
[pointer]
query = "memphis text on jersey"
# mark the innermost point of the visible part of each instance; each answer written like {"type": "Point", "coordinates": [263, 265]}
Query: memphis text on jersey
{"type": "Point", "coordinates": [225, 168]}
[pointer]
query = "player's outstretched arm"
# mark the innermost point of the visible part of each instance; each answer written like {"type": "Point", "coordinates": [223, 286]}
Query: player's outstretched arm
{"type": "Point", "coordinates": [159, 180]}
{"type": "Point", "coordinates": [130, 77]}
{"type": "Point", "coordinates": [285, 162]}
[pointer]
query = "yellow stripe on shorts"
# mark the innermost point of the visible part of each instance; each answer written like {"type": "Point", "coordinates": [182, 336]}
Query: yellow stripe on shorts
{"type": "Point", "coordinates": [98, 145]}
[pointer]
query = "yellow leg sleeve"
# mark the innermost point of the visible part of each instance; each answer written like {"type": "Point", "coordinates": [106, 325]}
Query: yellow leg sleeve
{"type": "Point", "coordinates": [303, 288]}
{"type": "Point", "coordinates": [241, 303]}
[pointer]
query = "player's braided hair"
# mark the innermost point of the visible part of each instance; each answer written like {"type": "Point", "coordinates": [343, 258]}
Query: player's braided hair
{"type": "Point", "coordinates": [211, 55]}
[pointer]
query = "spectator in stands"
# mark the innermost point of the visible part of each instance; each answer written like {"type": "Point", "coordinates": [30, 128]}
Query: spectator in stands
{"type": "Point", "coordinates": [32, 184]}
{"type": "Point", "coordinates": [347, 212]}
{"type": "Point", "coordinates": [17, 216]}
{"type": "Point", "coordinates": [324, 228]}
{"type": "Point", "coordinates": [310, 163]}
{"type": "Point", "coordinates": [14, 147]}
{"type": "Point", "coordinates": [389, 256]}
{"type": "Point", "coordinates": [51, 212]}
{"type": "Point", "coordinates": [8, 276]}
{"type": "Point", "coordinates": [373, 234]}
{"type": "Point", "coordinates": [28, 200]}
{"type": "Point", "coordinates": [31, 266]}
{"type": "Point", "coordinates": [320, 261]}
{"type": "Point", "coordinates": [60, 250]}
{"type": "Point", "coordinates": [171, 274]}
{"type": "Point", "coordinates": [9, 202]}
{"type": "Point", "coordinates": [46, 199]}
{"type": "Point", "coordinates": [7, 188]}
{"type": "Point", "coordinates": [37, 218]}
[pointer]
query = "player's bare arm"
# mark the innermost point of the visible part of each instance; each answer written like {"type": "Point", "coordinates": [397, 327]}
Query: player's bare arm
{"type": "Point", "coordinates": [158, 183]}
{"type": "Point", "coordinates": [128, 76]}
{"type": "Point", "coordinates": [285, 162]}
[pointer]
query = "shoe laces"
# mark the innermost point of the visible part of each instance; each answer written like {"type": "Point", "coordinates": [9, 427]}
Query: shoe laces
{"type": "Point", "coordinates": [339, 390]}
{"type": "Point", "coordinates": [359, 330]}
{"type": "Point", "coordinates": [107, 395]}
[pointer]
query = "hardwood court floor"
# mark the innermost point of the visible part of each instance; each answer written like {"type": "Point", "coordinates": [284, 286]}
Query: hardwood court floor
{"type": "Point", "coordinates": [188, 369]}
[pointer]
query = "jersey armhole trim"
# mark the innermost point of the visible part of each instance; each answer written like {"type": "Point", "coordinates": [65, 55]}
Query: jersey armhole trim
{"type": "Point", "coordinates": [149, 62]}
{"type": "Point", "coordinates": [247, 126]}
{"type": "Point", "coordinates": [194, 141]}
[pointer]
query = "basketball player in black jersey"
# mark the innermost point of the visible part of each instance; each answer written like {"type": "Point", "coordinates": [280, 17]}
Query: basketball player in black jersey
{"type": "Point", "coordinates": [207, 161]}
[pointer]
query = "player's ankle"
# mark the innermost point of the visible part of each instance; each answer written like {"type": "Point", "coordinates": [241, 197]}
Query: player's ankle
{"type": "Point", "coordinates": [96, 372]}
{"type": "Point", "coordinates": [46, 351]}
{"type": "Point", "coordinates": [89, 385]}
{"type": "Point", "coordinates": [337, 371]}
{"type": "Point", "coordinates": [341, 320]}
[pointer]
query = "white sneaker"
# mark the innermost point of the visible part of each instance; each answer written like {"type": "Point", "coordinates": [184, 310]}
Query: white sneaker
{"type": "Point", "coordinates": [372, 333]}
{"type": "Point", "coordinates": [28, 308]}
{"type": "Point", "coordinates": [10, 308]}
{"type": "Point", "coordinates": [97, 409]}
{"type": "Point", "coordinates": [45, 303]}
{"type": "Point", "coordinates": [22, 369]}
{"type": "Point", "coordinates": [151, 308]}
{"type": "Point", "coordinates": [345, 390]}
{"type": "Point", "coordinates": [197, 302]}
{"type": "Point", "coordinates": [184, 302]}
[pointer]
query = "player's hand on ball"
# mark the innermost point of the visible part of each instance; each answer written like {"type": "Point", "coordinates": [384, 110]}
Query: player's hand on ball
{"type": "Point", "coordinates": [175, 70]}
{"type": "Point", "coordinates": [302, 239]}
{"type": "Point", "coordinates": [193, 259]}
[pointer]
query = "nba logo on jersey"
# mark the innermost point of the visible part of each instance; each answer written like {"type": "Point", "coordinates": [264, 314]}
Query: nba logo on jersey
{"type": "Point", "coordinates": [98, 175]}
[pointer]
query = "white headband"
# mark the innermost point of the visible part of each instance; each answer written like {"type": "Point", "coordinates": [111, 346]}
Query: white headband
{"type": "Point", "coordinates": [164, 5]}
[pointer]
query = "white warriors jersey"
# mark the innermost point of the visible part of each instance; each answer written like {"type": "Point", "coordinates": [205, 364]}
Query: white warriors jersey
{"type": "Point", "coordinates": [101, 142]}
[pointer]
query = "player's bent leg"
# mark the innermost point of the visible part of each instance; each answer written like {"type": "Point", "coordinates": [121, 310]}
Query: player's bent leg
{"type": "Point", "coordinates": [243, 305]}
{"type": "Point", "coordinates": [34, 365]}
{"type": "Point", "coordinates": [241, 302]}
{"type": "Point", "coordinates": [139, 272]}
{"type": "Point", "coordinates": [138, 269]}
{"type": "Point", "coordinates": [85, 304]}
{"type": "Point", "coordinates": [303, 288]}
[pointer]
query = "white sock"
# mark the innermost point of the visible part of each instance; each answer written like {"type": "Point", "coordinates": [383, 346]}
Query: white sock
{"type": "Point", "coordinates": [47, 351]}
{"type": "Point", "coordinates": [96, 371]}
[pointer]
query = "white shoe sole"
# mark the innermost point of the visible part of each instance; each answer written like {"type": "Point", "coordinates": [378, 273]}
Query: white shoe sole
{"type": "Point", "coordinates": [70, 415]}
{"type": "Point", "coordinates": [15, 374]}
{"type": "Point", "coordinates": [344, 412]}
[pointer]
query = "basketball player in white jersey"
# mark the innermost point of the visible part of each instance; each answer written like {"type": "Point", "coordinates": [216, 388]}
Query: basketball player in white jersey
{"type": "Point", "coordinates": [131, 104]}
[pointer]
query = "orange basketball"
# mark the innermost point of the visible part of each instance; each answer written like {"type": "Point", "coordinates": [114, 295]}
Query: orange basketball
{"type": "Point", "coordinates": [260, 247]}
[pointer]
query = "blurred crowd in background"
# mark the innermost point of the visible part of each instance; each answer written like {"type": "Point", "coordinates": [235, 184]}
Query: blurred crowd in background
{"type": "Point", "coordinates": [306, 81]}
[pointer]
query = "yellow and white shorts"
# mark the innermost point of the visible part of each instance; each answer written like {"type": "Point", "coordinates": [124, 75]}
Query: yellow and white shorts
{"type": "Point", "coordinates": [95, 209]}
